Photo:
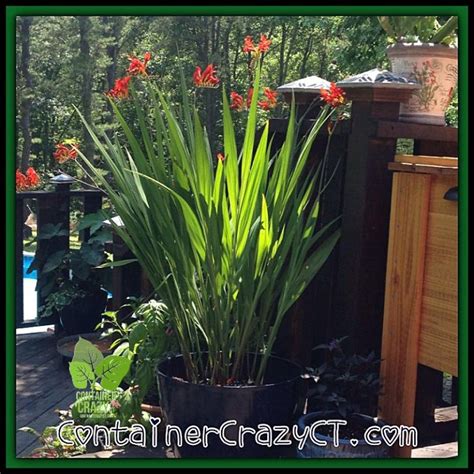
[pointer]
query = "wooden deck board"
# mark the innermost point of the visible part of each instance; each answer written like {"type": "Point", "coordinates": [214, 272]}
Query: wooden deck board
{"type": "Point", "coordinates": [43, 385]}
{"type": "Point", "coordinates": [445, 450]}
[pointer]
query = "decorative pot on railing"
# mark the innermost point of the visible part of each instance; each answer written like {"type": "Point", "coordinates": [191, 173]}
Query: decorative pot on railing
{"type": "Point", "coordinates": [435, 68]}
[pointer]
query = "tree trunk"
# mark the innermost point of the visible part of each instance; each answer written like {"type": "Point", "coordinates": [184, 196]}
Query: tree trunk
{"type": "Point", "coordinates": [307, 51]}
{"type": "Point", "coordinates": [225, 52]}
{"type": "Point", "coordinates": [86, 89]}
{"type": "Point", "coordinates": [45, 141]}
{"type": "Point", "coordinates": [323, 56]}
{"type": "Point", "coordinates": [281, 66]}
{"type": "Point", "coordinates": [290, 53]}
{"type": "Point", "coordinates": [25, 105]}
{"type": "Point", "coordinates": [113, 26]}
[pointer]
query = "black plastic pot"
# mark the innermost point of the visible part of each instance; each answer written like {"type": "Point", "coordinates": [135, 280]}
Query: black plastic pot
{"type": "Point", "coordinates": [83, 314]}
{"type": "Point", "coordinates": [358, 448]}
{"type": "Point", "coordinates": [187, 404]}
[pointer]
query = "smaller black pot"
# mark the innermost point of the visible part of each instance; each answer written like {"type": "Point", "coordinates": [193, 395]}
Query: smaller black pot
{"type": "Point", "coordinates": [83, 314]}
{"type": "Point", "coordinates": [347, 448]}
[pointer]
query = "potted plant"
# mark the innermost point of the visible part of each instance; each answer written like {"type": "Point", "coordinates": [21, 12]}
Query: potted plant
{"type": "Point", "coordinates": [142, 333]}
{"type": "Point", "coordinates": [424, 50]}
{"type": "Point", "coordinates": [346, 389]}
{"type": "Point", "coordinates": [228, 240]}
{"type": "Point", "coordinates": [70, 283]}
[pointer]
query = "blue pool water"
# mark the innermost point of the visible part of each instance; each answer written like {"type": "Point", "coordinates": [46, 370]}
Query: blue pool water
{"type": "Point", "coordinates": [27, 259]}
{"type": "Point", "coordinates": [30, 298]}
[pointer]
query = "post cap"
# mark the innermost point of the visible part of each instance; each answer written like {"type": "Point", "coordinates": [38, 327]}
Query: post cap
{"type": "Point", "coordinates": [304, 90]}
{"type": "Point", "coordinates": [379, 86]}
{"type": "Point", "coordinates": [117, 220]}
{"type": "Point", "coordinates": [62, 178]}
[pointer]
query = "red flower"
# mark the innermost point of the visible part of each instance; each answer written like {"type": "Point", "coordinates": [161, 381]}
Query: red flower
{"type": "Point", "coordinates": [120, 89]}
{"type": "Point", "coordinates": [33, 177]}
{"type": "Point", "coordinates": [207, 79]}
{"type": "Point", "coordinates": [334, 96]}
{"type": "Point", "coordinates": [237, 101]}
{"type": "Point", "coordinates": [65, 152]}
{"type": "Point", "coordinates": [220, 157]}
{"type": "Point", "coordinates": [138, 67]}
{"type": "Point", "coordinates": [21, 181]}
{"type": "Point", "coordinates": [262, 47]}
{"type": "Point", "coordinates": [26, 181]}
{"type": "Point", "coordinates": [248, 47]}
{"type": "Point", "coordinates": [249, 97]}
{"type": "Point", "coordinates": [270, 100]}
{"type": "Point", "coordinates": [61, 154]}
{"type": "Point", "coordinates": [264, 44]}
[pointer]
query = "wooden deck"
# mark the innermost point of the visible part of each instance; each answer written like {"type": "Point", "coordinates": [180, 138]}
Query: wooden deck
{"type": "Point", "coordinates": [43, 384]}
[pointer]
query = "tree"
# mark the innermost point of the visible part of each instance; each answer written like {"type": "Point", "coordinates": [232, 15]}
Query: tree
{"type": "Point", "coordinates": [113, 26]}
{"type": "Point", "coordinates": [25, 23]}
{"type": "Point", "coordinates": [85, 62]}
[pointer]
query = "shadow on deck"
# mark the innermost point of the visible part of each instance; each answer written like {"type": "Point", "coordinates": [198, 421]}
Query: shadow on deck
{"type": "Point", "coordinates": [43, 384]}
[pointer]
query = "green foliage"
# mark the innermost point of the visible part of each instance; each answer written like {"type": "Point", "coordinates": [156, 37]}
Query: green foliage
{"type": "Point", "coordinates": [51, 446]}
{"type": "Point", "coordinates": [328, 46]}
{"type": "Point", "coordinates": [425, 29]}
{"type": "Point", "coordinates": [68, 276]}
{"type": "Point", "coordinates": [452, 111]}
{"type": "Point", "coordinates": [346, 384]}
{"type": "Point", "coordinates": [143, 334]}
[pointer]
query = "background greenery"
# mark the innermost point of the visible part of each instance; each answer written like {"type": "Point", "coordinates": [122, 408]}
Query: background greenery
{"type": "Point", "coordinates": [63, 61]}
{"type": "Point", "coordinates": [72, 60]}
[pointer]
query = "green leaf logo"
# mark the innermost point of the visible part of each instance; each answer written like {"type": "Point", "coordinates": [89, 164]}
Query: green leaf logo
{"type": "Point", "coordinates": [81, 374]}
{"type": "Point", "coordinates": [112, 370]}
{"type": "Point", "coordinates": [86, 352]}
{"type": "Point", "coordinates": [88, 366]}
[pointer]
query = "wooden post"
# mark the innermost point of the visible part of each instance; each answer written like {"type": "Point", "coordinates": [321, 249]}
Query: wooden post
{"type": "Point", "coordinates": [360, 287]}
{"type": "Point", "coordinates": [53, 208]}
{"type": "Point", "coordinates": [19, 224]}
{"type": "Point", "coordinates": [307, 95]}
{"type": "Point", "coordinates": [92, 203]}
{"type": "Point", "coordinates": [127, 280]}
{"type": "Point", "coordinates": [307, 323]}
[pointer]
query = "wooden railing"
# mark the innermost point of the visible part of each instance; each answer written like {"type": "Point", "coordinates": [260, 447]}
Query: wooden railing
{"type": "Point", "coordinates": [52, 207]}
